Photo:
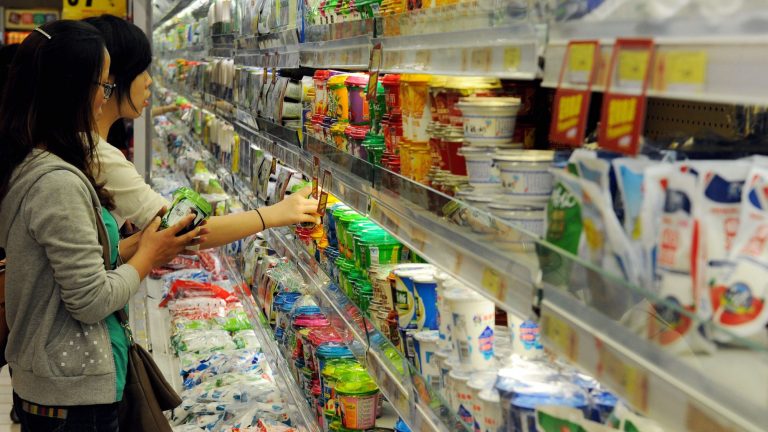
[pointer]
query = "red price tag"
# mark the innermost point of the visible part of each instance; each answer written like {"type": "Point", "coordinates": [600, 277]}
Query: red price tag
{"type": "Point", "coordinates": [571, 106]}
{"type": "Point", "coordinates": [623, 112]}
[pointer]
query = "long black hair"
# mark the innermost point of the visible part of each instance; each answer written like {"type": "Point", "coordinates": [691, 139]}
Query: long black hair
{"type": "Point", "coordinates": [48, 99]}
{"type": "Point", "coordinates": [129, 49]}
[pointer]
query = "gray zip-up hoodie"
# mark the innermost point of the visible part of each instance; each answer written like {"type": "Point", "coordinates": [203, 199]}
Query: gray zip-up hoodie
{"type": "Point", "coordinates": [58, 292]}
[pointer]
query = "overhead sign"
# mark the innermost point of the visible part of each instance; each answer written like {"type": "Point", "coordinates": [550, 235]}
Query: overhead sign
{"type": "Point", "coordinates": [79, 9]}
{"type": "Point", "coordinates": [28, 19]}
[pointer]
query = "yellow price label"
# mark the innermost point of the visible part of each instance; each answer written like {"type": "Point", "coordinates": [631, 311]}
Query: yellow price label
{"type": "Point", "coordinates": [481, 59]}
{"type": "Point", "coordinates": [419, 238]}
{"type": "Point", "coordinates": [685, 67]}
{"type": "Point", "coordinates": [511, 58]}
{"type": "Point", "coordinates": [561, 335]}
{"type": "Point", "coordinates": [492, 282]}
{"type": "Point", "coordinates": [582, 57]}
{"type": "Point", "coordinates": [698, 419]}
{"type": "Point", "coordinates": [568, 111]}
{"type": "Point", "coordinates": [633, 64]}
{"type": "Point", "coordinates": [632, 381]}
{"type": "Point", "coordinates": [80, 9]}
{"type": "Point", "coordinates": [621, 117]}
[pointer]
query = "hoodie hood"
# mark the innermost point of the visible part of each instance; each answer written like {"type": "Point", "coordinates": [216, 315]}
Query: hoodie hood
{"type": "Point", "coordinates": [37, 164]}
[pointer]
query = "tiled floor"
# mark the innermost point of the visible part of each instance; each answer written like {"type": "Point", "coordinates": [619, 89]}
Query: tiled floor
{"type": "Point", "coordinates": [6, 395]}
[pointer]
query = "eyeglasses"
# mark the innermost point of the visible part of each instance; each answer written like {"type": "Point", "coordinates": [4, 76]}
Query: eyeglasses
{"type": "Point", "coordinates": [108, 89]}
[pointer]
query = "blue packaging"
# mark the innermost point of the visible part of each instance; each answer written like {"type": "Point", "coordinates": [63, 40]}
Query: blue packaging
{"type": "Point", "coordinates": [425, 287]}
{"type": "Point", "coordinates": [405, 301]}
{"type": "Point", "coordinates": [400, 426]}
{"type": "Point", "coordinates": [519, 407]}
{"type": "Point", "coordinates": [603, 404]}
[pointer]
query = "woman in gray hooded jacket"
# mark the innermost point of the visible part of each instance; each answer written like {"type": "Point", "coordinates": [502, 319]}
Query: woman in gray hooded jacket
{"type": "Point", "coordinates": [61, 286]}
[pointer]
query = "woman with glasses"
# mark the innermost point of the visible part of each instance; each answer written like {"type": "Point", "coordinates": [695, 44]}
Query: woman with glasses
{"type": "Point", "coordinates": [134, 199]}
{"type": "Point", "coordinates": [65, 276]}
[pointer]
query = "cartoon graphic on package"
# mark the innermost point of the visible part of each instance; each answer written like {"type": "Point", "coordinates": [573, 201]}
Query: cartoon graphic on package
{"type": "Point", "coordinates": [739, 300]}
{"type": "Point", "coordinates": [678, 266]}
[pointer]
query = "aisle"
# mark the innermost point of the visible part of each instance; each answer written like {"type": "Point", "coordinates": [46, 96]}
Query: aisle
{"type": "Point", "coordinates": [6, 396]}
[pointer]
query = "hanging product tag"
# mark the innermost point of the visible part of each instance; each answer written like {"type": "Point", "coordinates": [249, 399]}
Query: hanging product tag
{"type": "Point", "coordinates": [571, 105]}
{"type": "Point", "coordinates": [315, 175]}
{"type": "Point", "coordinates": [374, 66]}
{"type": "Point", "coordinates": [623, 112]}
{"type": "Point", "coordinates": [326, 188]}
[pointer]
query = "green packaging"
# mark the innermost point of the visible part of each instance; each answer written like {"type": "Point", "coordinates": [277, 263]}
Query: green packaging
{"type": "Point", "coordinates": [186, 201]}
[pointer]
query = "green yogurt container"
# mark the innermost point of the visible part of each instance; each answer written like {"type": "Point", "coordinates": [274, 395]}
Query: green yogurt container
{"type": "Point", "coordinates": [341, 228]}
{"type": "Point", "coordinates": [349, 235]}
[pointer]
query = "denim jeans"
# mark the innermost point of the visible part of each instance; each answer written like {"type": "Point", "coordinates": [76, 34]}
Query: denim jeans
{"type": "Point", "coordinates": [84, 418]}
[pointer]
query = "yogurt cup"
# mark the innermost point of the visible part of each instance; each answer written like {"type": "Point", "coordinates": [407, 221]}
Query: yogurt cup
{"type": "Point", "coordinates": [473, 320]}
{"type": "Point", "coordinates": [358, 401]}
{"type": "Point", "coordinates": [489, 120]}
{"type": "Point", "coordinates": [522, 405]}
{"type": "Point", "coordinates": [490, 417]}
{"type": "Point", "coordinates": [480, 167]}
{"type": "Point", "coordinates": [425, 289]}
{"type": "Point", "coordinates": [479, 381]}
{"type": "Point", "coordinates": [426, 347]}
{"type": "Point", "coordinates": [530, 219]}
{"type": "Point", "coordinates": [461, 397]}
{"type": "Point", "coordinates": [525, 172]}
{"type": "Point", "coordinates": [405, 301]}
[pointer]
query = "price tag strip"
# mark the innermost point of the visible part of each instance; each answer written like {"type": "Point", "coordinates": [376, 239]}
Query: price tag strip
{"type": "Point", "coordinates": [623, 112]}
{"type": "Point", "coordinates": [571, 105]}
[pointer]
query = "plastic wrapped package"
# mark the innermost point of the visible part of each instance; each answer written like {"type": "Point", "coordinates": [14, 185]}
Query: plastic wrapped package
{"type": "Point", "coordinates": [202, 341]}
{"type": "Point", "coordinates": [235, 320]}
{"type": "Point", "coordinates": [185, 289]}
{"type": "Point", "coordinates": [246, 339]}
{"type": "Point", "coordinates": [200, 308]}
{"type": "Point", "coordinates": [246, 361]}
{"type": "Point", "coordinates": [195, 274]}
{"type": "Point", "coordinates": [183, 324]}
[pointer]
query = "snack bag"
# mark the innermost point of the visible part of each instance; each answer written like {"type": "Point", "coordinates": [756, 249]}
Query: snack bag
{"type": "Point", "coordinates": [679, 266]}
{"type": "Point", "coordinates": [739, 300]}
{"type": "Point", "coordinates": [563, 229]}
{"type": "Point", "coordinates": [721, 187]}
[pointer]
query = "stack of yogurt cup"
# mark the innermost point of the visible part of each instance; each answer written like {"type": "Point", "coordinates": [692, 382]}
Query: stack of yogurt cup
{"type": "Point", "coordinates": [507, 182]}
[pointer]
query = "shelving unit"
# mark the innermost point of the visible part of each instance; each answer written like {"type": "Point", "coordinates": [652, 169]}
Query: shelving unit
{"type": "Point", "coordinates": [513, 279]}
{"type": "Point", "coordinates": [392, 372]}
{"type": "Point", "coordinates": [718, 392]}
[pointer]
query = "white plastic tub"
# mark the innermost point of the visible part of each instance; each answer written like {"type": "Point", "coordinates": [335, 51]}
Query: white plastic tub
{"type": "Point", "coordinates": [489, 121]}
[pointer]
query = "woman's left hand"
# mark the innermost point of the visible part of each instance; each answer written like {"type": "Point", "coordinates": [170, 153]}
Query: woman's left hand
{"type": "Point", "coordinates": [295, 208]}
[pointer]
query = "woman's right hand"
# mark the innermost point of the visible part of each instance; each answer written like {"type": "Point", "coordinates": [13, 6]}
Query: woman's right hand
{"type": "Point", "coordinates": [157, 248]}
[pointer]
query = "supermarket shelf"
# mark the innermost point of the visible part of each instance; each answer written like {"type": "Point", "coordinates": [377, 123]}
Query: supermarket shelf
{"type": "Point", "coordinates": [350, 53]}
{"type": "Point", "coordinates": [504, 52]}
{"type": "Point", "coordinates": [279, 49]}
{"type": "Point", "coordinates": [348, 321]}
{"type": "Point", "coordinates": [726, 60]}
{"type": "Point", "coordinates": [391, 371]}
{"type": "Point", "coordinates": [721, 392]}
{"type": "Point", "coordinates": [693, 393]}
{"type": "Point", "coordinates": [298, 408]}
{"type": "Point", "coordinates": [415, 215]}
{"type": "Point", "coordinates": [172, 8]}
{"type": "Point", "coordinates": [160, 340]}
{"type": "Point", "coordinates": [341, 30]}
